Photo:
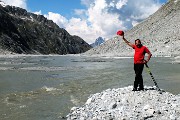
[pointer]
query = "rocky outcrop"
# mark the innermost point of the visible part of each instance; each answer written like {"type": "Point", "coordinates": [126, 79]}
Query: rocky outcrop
{"type": "Point", "coordinates": [125, 104]}
{"type": "Point", "coordinates": [28, 33]}
{"type": "Point", "coordinates": [160, 32]}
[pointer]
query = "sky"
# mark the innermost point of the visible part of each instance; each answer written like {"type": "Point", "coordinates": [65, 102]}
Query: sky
{"type": "Point", "coordinates": [91, 19]}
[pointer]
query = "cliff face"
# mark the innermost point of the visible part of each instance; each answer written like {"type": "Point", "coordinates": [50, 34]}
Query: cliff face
{"type": "Point", "coordinates": [160, 32]}
{"type": "Point", "coordinates": [28, 33]}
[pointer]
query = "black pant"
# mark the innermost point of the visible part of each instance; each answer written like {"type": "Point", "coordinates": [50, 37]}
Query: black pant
{"type": "Point", "coordinates": [138, 68]}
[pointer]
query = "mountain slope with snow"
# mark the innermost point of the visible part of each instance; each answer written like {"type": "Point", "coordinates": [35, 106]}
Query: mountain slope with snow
{"type": "Point", "coordinates": [160, 32]}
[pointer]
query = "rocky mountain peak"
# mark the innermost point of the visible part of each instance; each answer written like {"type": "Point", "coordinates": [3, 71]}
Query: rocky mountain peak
{"type": "Point", "coordinates": [28, 33]}
{"type": "Point", "coordinates": [98, 42]}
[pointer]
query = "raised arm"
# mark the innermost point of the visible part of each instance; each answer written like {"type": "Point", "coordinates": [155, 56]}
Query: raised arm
{"type": "Point", "coordinates": [127, 42]}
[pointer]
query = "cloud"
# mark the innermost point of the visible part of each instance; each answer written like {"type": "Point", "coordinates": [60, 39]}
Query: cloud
{"type": "Point", "coordinates": [103, 22]}
{"type": "Point", "coordinates": [101, 17]}
{"type": "Point", "coordinates": [121, 3]}
{"type": "Point", "coordinates": [105, 17]}
{"type": "Point", "coordinates": [81, 13]}
{"type": "Point", "coordinates": [133, 10]}
{"type": "Point", "coordinates": [80, 27]}
{"type": "Point", "coordinates": [87, 3]}
{"type": "Point", "coordinates": [38, 12]}
{"type": "Point", "coordinates": [18, 3]}
{"type": "Point", "coordinates": [57, 18]}
{"type": "Point", "coordinates": [96, 21]}
{"type": "Point", "coordinates": [75, 26]}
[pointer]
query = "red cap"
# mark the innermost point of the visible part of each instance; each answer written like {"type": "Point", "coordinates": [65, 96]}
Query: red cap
{"type": "Point", "coordinates": [120, 32]}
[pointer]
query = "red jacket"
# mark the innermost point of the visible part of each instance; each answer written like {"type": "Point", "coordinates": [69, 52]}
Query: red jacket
{"type": "Point", "coordinates": [139, 54]}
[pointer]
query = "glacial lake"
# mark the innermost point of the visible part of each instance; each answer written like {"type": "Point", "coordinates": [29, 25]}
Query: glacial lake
{"type": "Point", "coordinates": [47, 87]}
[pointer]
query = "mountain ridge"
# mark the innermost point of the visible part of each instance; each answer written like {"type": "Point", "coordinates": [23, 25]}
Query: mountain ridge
{"type": "Point", "coordinates": [159, 32]}
{"type": "Point", "coordinates": [28, 33]}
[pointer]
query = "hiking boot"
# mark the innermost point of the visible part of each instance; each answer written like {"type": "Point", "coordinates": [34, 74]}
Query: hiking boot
{"type": "Point", "coordinates": [139, 89]}
{"type": "Point", "coordinates": [134, 89]}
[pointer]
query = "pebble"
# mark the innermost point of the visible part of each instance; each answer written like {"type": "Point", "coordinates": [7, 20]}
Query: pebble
{"type": "Point", "coordinates": [123, 103]}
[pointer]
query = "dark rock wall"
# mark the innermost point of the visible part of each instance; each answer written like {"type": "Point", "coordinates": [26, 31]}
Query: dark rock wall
{"type": "Point", "coordinates": [28, 33]}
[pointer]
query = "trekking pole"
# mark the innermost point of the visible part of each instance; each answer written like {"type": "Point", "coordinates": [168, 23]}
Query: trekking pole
{"type": "Point", "coordinates": [152, 77]}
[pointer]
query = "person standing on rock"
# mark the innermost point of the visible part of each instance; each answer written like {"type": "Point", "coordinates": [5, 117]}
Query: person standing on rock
{"type": "Point", "coordinates": [139, 61]}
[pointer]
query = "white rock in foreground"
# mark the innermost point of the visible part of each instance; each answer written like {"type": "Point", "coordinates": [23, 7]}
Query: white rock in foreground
{"type": "Point", "coordinates": [125, 104]}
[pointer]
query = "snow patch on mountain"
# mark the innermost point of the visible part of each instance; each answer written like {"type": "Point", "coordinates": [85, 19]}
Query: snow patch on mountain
{"type": "Point", "coordinates": [2, 3]}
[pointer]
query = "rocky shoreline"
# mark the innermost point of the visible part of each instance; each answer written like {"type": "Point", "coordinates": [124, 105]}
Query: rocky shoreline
{"type": "Point", "coordinates": [125, 104]}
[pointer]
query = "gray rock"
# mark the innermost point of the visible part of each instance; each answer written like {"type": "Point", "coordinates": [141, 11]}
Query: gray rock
{"type": "Point", "coordinates": [153, 105]}
{"type": "Point", "coordinates": [28, 33]}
